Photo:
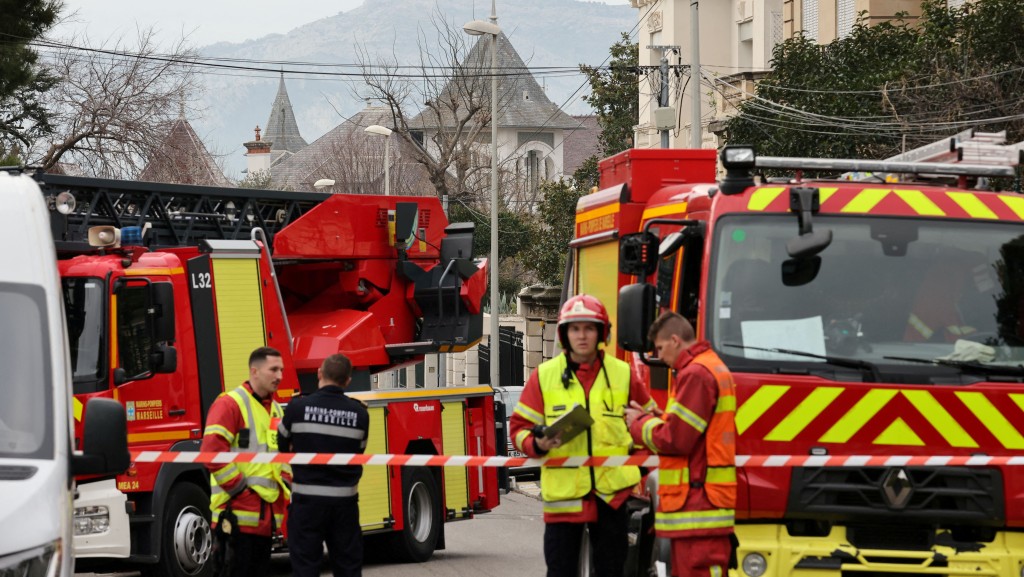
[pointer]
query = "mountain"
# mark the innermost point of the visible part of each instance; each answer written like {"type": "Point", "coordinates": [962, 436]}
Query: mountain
{"type": "Point", "coordinates": [562, 33]}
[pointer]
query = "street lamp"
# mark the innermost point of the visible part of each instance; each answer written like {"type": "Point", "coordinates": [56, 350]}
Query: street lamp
{"type": "Point", "coordinates": [478, 28]}
{"type": "Point", "coordinates": [323, 183]}
{"type": "Point", "coordinates": [386, 133]}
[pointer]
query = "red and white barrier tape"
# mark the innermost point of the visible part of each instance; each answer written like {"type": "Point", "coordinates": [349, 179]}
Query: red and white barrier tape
{"type": "Point", "coordinates": [638, 460]}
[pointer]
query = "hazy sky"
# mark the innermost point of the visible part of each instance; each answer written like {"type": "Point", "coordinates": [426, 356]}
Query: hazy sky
{"type": "Point", "coordinates": [206, 21]}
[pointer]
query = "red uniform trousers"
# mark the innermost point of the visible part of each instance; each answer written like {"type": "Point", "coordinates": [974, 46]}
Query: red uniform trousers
{"type": "Point", "coordinates": [701, 556]}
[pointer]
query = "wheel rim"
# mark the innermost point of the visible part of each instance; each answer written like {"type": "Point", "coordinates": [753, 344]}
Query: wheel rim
{"type": "Point", "coordinates": [420, 512]}
{"type": "Point", "coordinates": [193, 540]}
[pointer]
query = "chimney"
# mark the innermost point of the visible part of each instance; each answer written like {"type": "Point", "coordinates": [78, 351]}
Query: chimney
{"type": "Point", "coordinates": [257, 154]}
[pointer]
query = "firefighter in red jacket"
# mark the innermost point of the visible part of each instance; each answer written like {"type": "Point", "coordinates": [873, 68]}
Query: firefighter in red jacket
{"type": "Point", "coordinates": [248, 500]}
{"type": "Point", "coordinates": [582, 496]}
{"type": "Point", "coordinates": [695, 438]}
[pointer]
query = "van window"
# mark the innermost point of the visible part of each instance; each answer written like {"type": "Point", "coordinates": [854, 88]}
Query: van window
{"type": "Point", "coordinates": [26, 414]}
{"type": "Point", "coordinates": [84, 308]}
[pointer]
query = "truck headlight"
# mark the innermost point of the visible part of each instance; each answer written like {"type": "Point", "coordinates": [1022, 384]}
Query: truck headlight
{"type": "Point", "coordinates": [39, 562]}
{"type": "Point", "coordinates": [91, 520]}
{"type": "Point", "coordinates": [755, 565]}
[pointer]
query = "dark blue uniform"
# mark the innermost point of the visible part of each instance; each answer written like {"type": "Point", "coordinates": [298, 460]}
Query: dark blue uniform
{"type": "Point", "coordinates": [325, 501]}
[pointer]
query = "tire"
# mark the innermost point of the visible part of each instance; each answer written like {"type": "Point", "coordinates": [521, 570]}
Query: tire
{"type": "Point", "coordinates": [421, 502]}
{"type": "Point", "coordinates": [186, 537]}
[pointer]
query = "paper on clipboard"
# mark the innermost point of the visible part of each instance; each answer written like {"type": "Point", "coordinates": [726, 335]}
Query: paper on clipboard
{"type": "Point", "coordinates": [570, 424]}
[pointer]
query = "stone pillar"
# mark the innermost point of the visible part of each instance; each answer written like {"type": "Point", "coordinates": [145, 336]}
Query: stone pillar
{"type": "Point", "coordinates": [538, 305]}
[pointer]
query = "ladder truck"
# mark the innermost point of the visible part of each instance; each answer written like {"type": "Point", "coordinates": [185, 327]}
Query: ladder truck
{"type": "Point", "coordinates": [168, 288]}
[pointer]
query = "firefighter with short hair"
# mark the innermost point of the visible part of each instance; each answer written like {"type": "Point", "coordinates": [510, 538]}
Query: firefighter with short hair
{"type": "Point", "coordinates": [695, 439]}
{"type": "Point", "coordinates": [248, 499]}
{"type": "Point", "coordinates": [325, 498]}
{"type": "Point", "coordinates": [580, 497]}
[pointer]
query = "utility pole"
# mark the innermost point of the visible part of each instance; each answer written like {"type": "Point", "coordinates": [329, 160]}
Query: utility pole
{"type": "Point", "coordinates": [664, 115]}
{"type": "Point", "coordinates": [695, 129]}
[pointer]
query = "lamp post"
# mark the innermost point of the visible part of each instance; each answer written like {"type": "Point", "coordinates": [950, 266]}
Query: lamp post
{"type": "Point", "coordinates": [386, 133]}
{"type": "Point", "coordinates": [478, 28]}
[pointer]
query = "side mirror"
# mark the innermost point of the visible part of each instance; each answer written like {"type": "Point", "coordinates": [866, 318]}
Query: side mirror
{"type": "Point", "coordinates": [163, 311]}
{"type": "Point", "coordinates": [637, 308]}
{"type": "Point", "coordinates": [104, 440]}
{"type": "Point", "coordinates": [638, 254]}
{"type": "Point", "coordinates": [164, 359]}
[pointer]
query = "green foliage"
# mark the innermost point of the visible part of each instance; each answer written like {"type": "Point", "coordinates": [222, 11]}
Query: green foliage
{"type": "Point", "coordinates": [22, 79]}
{"type": "Point", "coordinates": [587, 175]}
{"type": "Point", "coordinates": [892, 85]}
{"type": "Point", "coordinates": [613, 94]}
{"type": "Point", "coordinates": [12, 158]}
{"type": "Point", "coordinates": [259, 180]}
{"type": "Point", "coordinates": [557, 217]}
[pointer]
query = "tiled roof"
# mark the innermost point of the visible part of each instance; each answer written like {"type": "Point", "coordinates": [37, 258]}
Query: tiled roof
{"type": "Point", "coordinates": [183, 159]}
{"type": "Point", "coordinates": [352, 158]}
{"type": "Point", "coordinates": [580, 143]}
{"type": "Point", "coordinates": [522, 102]}
{"type": "Point", "coordinates": [281, 130]}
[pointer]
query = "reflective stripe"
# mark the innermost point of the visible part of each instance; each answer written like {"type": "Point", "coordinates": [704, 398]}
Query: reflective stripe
{"type": "Point", "coordinates": [692, 520]}
{"type": "Point", "coordinates": [529, 414]}
{"type": "Point", "coordinates": [726, 403]}
{"type": "Point", "coordinates": [227, 473]}
{"type": "Point", "coordinates": [323, 490]}
{"type": "Point", "coordinates": [570, 506]}
{"type": "Point", "coordinates": [260, 482]}
{"type": "Point", "coordinates": [919, 325]}
{"type": "Point", "coordinates": [687, 416]}
{"type": "Point", "coordinates": [720, 475]}
{"type": "Point", "coordinates": [219, 430]}
{"type": "Point", "coordinates": [243, 395]}
{"type": "Point", "coordinates": [716, 570]}
{"type": "Point", "coordinates": [648, 430]}
{"type": "Point", "coordinates": [520, 437]}
{"type": "Point", "coordinates": [247, 518]}
{"type": "Point", "coordinates": [330, 430]}
{"type": "Point", "coordinates": [281, 430]}
{"type": "Point", "coordinates": [650, 406]}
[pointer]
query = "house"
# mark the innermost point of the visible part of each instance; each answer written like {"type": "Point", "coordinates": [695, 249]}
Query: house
{"type": "Point", "coordinates": [530, 127]}
{"type": "Point", "coordinates": [737, 38]}
{"type": "Point", "coordinates": [182, 158]}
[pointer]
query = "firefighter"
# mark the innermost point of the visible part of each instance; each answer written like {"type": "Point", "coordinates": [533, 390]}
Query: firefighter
{"type": "Point", "coordinates": [578, 497]}
{"type": "Point", "coordinates": [248, 499]}
{"type": "Point", "coordinates": [325, 500]}
{"type": "Point", "coordinates": [695, 438]}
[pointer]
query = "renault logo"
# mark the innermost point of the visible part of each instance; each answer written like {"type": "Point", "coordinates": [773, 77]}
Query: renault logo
{"type": "Point", "coordinates": [897, 488]}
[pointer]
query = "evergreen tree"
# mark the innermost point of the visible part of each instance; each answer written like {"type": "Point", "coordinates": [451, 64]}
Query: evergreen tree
{"type": "Point", "coordinates": [22, 79]}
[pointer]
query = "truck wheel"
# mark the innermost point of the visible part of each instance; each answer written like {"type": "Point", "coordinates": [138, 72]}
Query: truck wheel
{"type": "Point", "coordinates": [422, 503]}
{"type": "Point", "coordinates": [187, 540]}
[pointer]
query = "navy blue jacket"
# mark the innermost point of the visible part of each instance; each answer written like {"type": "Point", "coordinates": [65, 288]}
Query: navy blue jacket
{"type": "Point", "coordinates": [327, 421]}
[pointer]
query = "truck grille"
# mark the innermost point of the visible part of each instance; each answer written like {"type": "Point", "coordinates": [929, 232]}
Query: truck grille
{"type": "Point", "coordinates": [936, 496]}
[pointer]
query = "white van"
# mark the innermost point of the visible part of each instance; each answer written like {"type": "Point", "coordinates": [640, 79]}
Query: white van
{"type": "Point", "coordinates": [37, 460]}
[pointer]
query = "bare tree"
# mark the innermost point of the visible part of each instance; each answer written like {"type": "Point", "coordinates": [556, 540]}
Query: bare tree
{"type": "Point", "coordinates": [113, 107]}
{"type": "Point", "coordinates": [452, 85]}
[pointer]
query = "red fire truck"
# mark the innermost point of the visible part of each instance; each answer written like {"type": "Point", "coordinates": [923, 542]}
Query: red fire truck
{"type": "Point", "coordinates": [168, 288]}
{"type": "Point", "coordinates": [863, 321]}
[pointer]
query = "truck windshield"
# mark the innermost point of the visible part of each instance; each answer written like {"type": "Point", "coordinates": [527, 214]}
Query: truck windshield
{"type": "Point", "coordinates": [906, 295]}
{"type": "Point", "coordinates": [84, 306]}
{"type": "Point", "coordinates": [26, 414]}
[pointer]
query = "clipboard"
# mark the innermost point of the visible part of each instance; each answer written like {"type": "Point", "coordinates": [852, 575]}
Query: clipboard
{"type": "Point", "coordinates": [570, 424]}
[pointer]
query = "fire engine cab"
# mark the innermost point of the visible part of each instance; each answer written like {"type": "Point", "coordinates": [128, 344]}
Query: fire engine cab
{"type": "Point", "coordinates": [874, 329]}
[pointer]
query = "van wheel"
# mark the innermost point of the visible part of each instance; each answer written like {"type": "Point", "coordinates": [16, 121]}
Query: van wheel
{"type": "Point", "coordinates": [187, 540]}
{"type": "Point", "coordinates": [422, 511]}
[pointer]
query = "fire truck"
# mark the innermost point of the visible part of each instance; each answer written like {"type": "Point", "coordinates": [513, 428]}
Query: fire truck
{"type": "Point", "coordinates": [168, 288]}
{"type": "Point", "coordinates": [874, 329]}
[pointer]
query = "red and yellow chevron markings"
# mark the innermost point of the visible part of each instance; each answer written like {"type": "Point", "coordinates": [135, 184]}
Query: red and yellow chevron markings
{"type": "Point", "coordinates": [849, 200]}
{"type": "Point", "coordinates": [884, 416]}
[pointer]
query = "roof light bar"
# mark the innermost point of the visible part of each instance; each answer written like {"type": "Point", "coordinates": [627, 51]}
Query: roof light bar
{"type": "Point", "coordinates": [843, 165]}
